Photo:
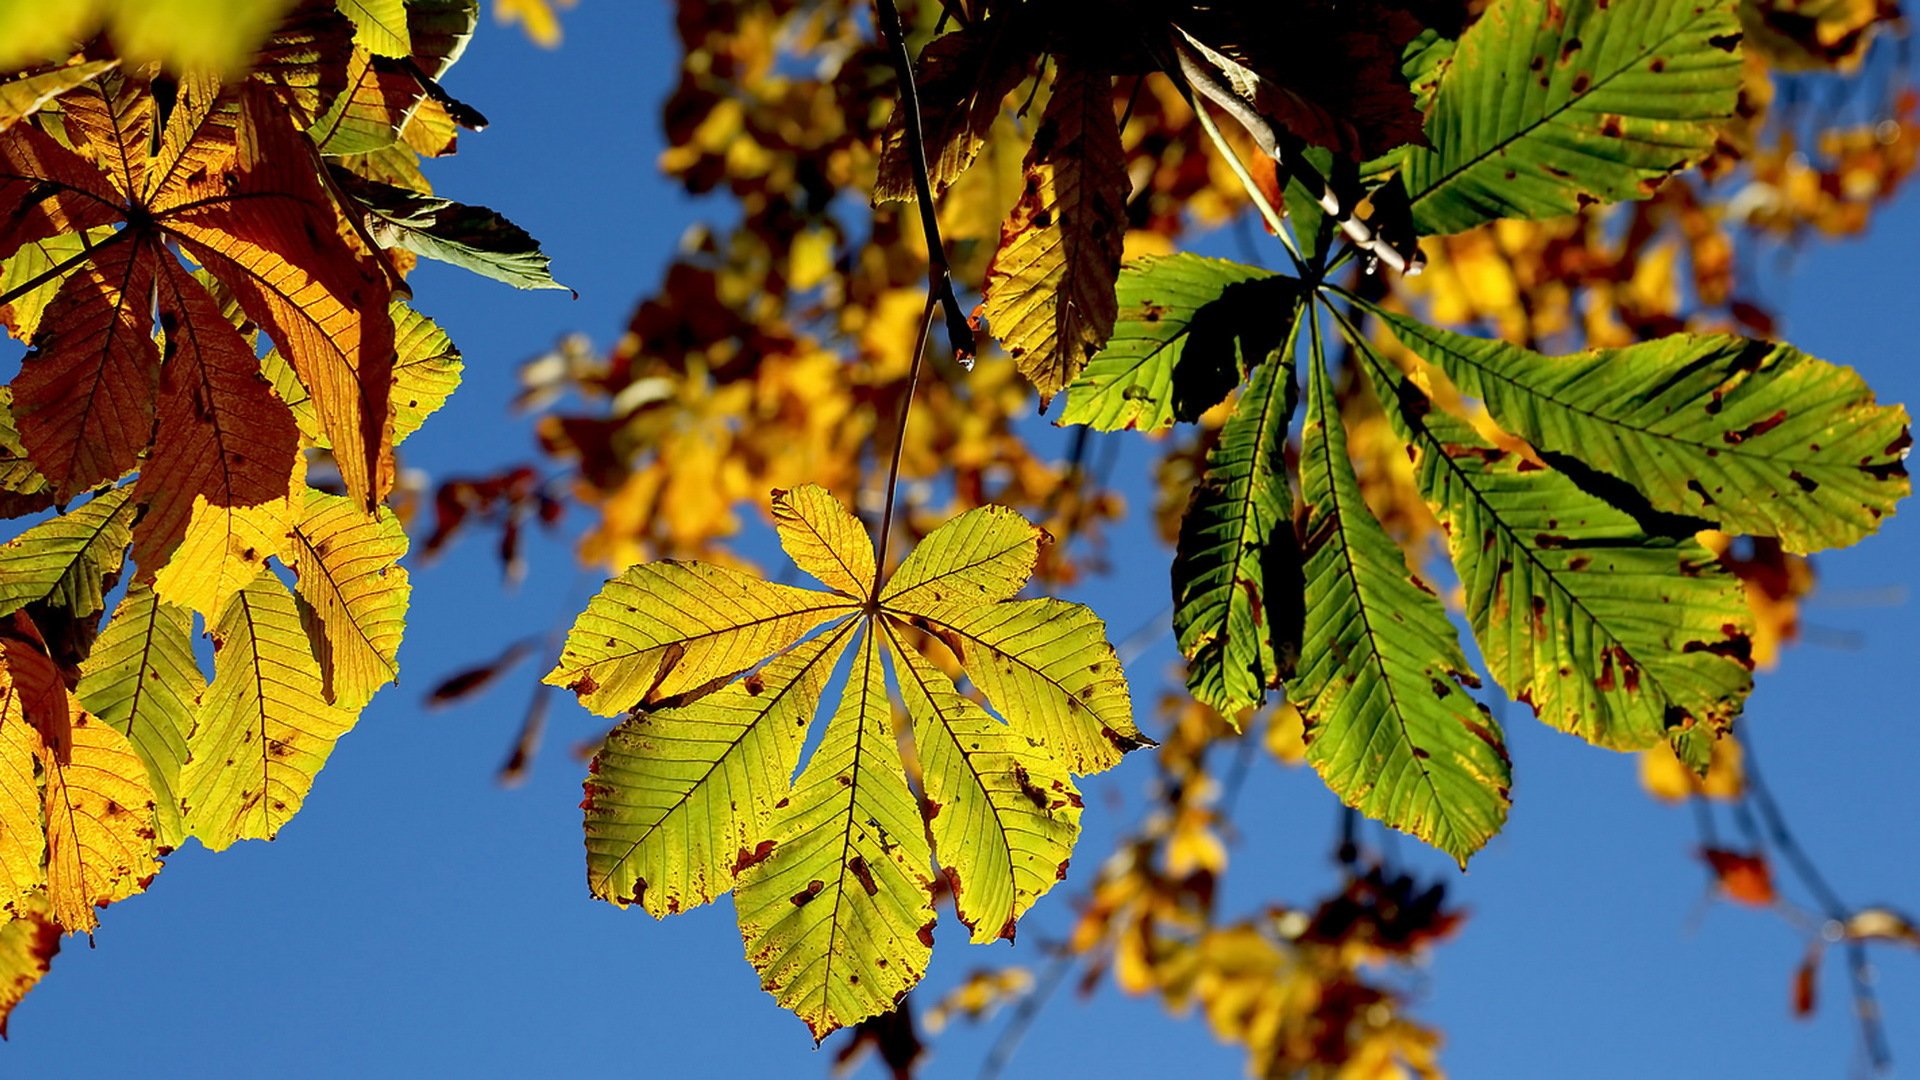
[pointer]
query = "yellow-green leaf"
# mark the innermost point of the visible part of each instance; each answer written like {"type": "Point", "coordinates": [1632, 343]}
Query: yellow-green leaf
{"type": "Point", "coordinates": [142, 679]}
{"type": "Point", "coordinates": [353, 595]}
{"type": "Point", "coordinates": [264, 727]}
{"type": "Point", "coordinates": [823, 539]}
{"type": "Point", "coordinates": [1003, 811]}
{"type": "Point", "coordinates": [65, 560]}
{"type": "Point", "coordinates": [380, 26]}
{"type": "Point", "coordinates": [99, 813]}
{"type": "Point", "coordinates": [28, 942]}
{"type": "Point", "coordinates": [837, 915]}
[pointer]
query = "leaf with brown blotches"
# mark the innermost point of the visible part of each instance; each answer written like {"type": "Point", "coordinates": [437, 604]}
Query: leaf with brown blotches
{"type": "Point", "coordinates": [1050, 291]}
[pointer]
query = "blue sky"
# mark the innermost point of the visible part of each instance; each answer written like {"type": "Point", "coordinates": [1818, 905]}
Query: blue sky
{"type": "Point", "coordinates": [416, 919]}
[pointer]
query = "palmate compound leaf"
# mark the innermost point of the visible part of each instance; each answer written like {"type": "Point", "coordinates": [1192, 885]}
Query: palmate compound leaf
{"type": "Point", "coordinates": [1236, 572]}
{"type": "Point", "coordinates": [1546, 108]}
{"type": "Point", "coordinates": [263, 728]}
{"type": "Point", "coordinates": [1622, 638]}
{"type": "Point", "coordinates": [1752, 437]}
{"type": "Point", "coordinates": [1189, 330]}
{"type": "Point", "coordinates": [236, 189]}
{"type": "Point", "coordinates": [1049, 292]}
{"type": "Point", "coordinates": [694, 793]}
{"type": "Point", "coordinates": [1382, 689]}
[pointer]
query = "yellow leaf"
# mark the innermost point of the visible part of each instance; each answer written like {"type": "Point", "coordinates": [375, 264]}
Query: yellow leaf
{"type": "Point", "coordinates": [28, 942]}
{"type": "Point", "coordinates": [99, 813]}
{"type": "Point", "coordinates": [264, 728]}
{"type": "Point", "coordinates": [354, 595]}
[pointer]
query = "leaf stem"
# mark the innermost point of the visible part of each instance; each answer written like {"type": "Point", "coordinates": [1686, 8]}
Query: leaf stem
{"type": "Point", "coordinates": [939, 274]}
{"type": "Point", "coordinates": [1274, 220]}
{"type": "Point", "coordinates": [899, 442]}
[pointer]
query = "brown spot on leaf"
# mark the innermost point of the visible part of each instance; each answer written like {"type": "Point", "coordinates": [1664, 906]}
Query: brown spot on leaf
{"type": "Point", "coordinates": [926, 934]}
{"type": "Point", "coordinates": [806, 895]}
{"type": "Point", "coordinates": [1755, 429]}
{"type": "Point", "coordinates": [1807, 484]}
{"type": "Point", "coordinates": [857, 866]}
{"type": "Point", "coordinates": [1736, 646]}
{"type": "Point", "coordinates": [749, 858]}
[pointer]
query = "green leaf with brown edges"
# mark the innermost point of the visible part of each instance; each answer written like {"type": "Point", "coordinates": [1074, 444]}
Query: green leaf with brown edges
{"type": "Point", "coordinates": [1753, 437]}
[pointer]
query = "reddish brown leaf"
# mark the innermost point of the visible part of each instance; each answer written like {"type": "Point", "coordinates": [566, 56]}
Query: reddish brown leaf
{"type": "Point", "coordinates": [963, 78]}
{"type": "Point", "coordinates": [1743, 877]}
{"type": "Point", "coordinates": [84, 397]}
{"type": "Point", "coordinates": [223, 433]}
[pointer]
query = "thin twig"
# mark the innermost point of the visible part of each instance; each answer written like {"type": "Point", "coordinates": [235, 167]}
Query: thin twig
{"type": "Point", "coordinates": [939, 274]}
{"type": "Point", "coordinates": [59, 268]}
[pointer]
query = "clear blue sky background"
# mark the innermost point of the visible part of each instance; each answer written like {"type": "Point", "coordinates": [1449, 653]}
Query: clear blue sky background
{"type": "Point", "coordinates": [418, 920]}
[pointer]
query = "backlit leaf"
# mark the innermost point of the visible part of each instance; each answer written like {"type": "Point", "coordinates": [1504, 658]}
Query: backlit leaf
{"type": "Point", "coordinates": [1619, 637]}
{"type": "Point", "coordinates": [24, 96]}
{"type": "Point", "coordinates": [470, 237]}
{"type": "Point", "coordinates": [65, 560]}
{"type": "Point", "coordinates": [426, 372]}
{"type": "Point", "coordinates": [380, 26]}
{"type": "Point", "coordinates": [1236, 572]}
{"type": "Point", "coordinates": [23, 831]}
{"type": "Point", "coordinates": [1755, 438]}
{"type": "Point", "coordinates": [143, 681]}
{"type": "Point", "coordinates": [1190, 328]}
{"type": "Point", "coordinates": [28, 942]}
{"type": "Point", "coordinates": [838, 915]}
{"type": "Point", "coordinates": [1383, 683]}
{"type": "Point", "coordinates": [99, 814]}
{"type": "Point", "coordinates": [1049, 292]}
{"type": "Point", "coordinates": [1594, 102]}
{"type": "Point", "coordinates": [353, 595]}
{"type": "Point", "coordinates": [963, 79]}
{"type": "Point", "coordinates": [264, 727]}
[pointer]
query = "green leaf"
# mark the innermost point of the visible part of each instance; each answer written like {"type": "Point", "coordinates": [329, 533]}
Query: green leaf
{"type": "Point", "coordinates": [353, 595]}
{"type": "Point", "coordinates": [472, 237]}
{"type": "Point", "coordinates": [1189, 330]}
{"type": "Point", "coordinates": [1382, 688]}
{"type": "Point", "coordinates": [65, 560]}
{"type": "Point", "coordinates": [1236, 572]}
{"type": "Point", "coordinates": [837, 913]}
{"type": "Point", "coordinates": [1547, 108]}
{"type": "Point", "coordinates": [1621, 638]}
{"type": "Point", "coordinates": [264, 728]}
{"type": "Point", "coordinates": [1755, 438]}
{"type": "Point", "coordinates": [142, 679]}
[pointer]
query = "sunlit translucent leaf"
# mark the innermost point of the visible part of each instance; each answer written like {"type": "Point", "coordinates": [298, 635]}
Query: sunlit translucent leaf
{"type": "Point", "coordinates": [368, 113]}
{"type": "Point", "coordinates": [1236, 572]}
{"type": "Point", "coordinates": [823, 539]}
{"type": "Point", "coordinates": [1543, 110]}
{"type": "Point", "coordinates": [224, 548]}
{"type": "Point", "coordinates": [142, 680]}
{"type": "Point", "coordinates": [470, 237]}
{"type": "Point", "coordinates": [303, 64]}
{"type": "Point", "coordinates": [677, 798]}
{"type": "Point", "coordinates": [48, 190]}
{"type": "Point", "coordinates": [28, 942]}
{"type": "Point", "coordinates": [1003, 812]}
{"type": "Point", "coordinates": [380, 26]}
{"type": "Point", "coordinates": [1046, 667]}
{"type": "Point", "coordinates": [832, 873]}
{"type": "Point", "coordinates": [426, 372]}
{"type": "Point", "coordinates": [985, 556]}
{"type": "Point", "coordinates": [321, 300]}
{"type": "Point", "coordinates": [353, 595]}
{"type": "Point", "coordinates": [99, 814]}
{"type": "Point", "coordinates": [1755, 438]}
{"type": "Point", "coordinates": [264, 727]}
{"type": "Point", "coordinates": [1382, 686]}
{"type": "Point", "coordinates": [22, 97]}
{"type": "Point", "coordinates": [838, 916]}
{"type": "Point", "coordinates": [84, 398]}
{"type": "Point", "coordinates": [664, 629]}
{"type": "Point", "coordinates": [1189, 330]}
{"type": "Point", "coordinates": [23, 834]}
{"type": "Point", "coordinates": [1619, 637]}
{"type": "Point", "coordinates": [65, 560]}
{"type": "Point", "coordinates": [223, 437]}
{"type": "Point", "coordinates": [963, 79]}
{"type": "Point", "coordinates": [34, 262]}
{"type": "Point", "coordinates": [1049, 292]}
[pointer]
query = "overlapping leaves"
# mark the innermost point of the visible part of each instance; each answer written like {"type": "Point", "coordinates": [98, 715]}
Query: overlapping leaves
{"type": "Point", "coordinates": [696, 794]}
